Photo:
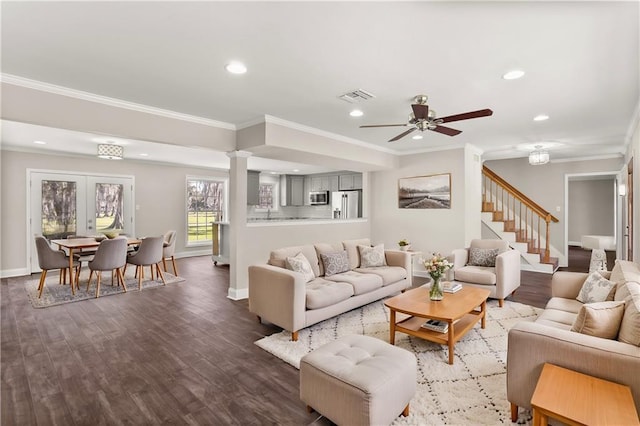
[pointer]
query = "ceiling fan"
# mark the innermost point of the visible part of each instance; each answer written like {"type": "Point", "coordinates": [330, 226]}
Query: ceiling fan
{"type": "Point", "coordinates": [423, 118]}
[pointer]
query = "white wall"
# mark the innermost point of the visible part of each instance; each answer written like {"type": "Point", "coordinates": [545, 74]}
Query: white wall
{"type": "Point", "coordinates": [428, 230]}
{"type": "Point", "coordinates": [634, 153]}
{"type": "Point", "coordinates": [591, 208]}
{"type": "Point", "coordinates": [159, 191]}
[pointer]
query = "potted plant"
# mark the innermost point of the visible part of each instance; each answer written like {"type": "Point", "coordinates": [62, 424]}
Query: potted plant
{"type": "Point", "coordinates": [404, 245]}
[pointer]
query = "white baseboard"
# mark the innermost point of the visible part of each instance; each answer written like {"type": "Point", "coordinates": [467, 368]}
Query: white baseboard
{"type": "Point", "coordinates": [575, 243]}
{"type": "Point", "coordinates": [193, 253]}
{"type": "Point", "coordinates": [238, 293]}
{"type": "Point", "coordinates": [18, 272]}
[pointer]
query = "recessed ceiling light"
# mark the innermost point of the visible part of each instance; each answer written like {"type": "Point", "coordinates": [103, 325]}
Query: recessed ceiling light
{"type": "Point", "coordinates": [274, 173]}
{"type": "Point", "coordinates": [40, 142]}
{"type": "Point", "coordinates": [541, 117]}
{"type": "Point", "coordinates": [143, 154]}
{"type": "Point", "coordinates": [296, 170]}
{"type": "Point", "coordinates": [236, 68]}
{"type": "Point", "coordinates": [416, 137]}
{"type": "Point", "coordinates": [513, 74]}
{"type": "Point", "coordinates": [356, 113]}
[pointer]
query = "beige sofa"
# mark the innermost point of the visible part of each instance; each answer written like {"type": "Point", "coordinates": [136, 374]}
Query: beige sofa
{"type": "Point", "coordinates": [501, 280]}
{"type": "Point", "coordinates": [284, 298]}
{"type": "Point", "coordinates": [550, 340]}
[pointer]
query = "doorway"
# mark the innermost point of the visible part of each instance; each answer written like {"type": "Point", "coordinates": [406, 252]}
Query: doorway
{"type": "Point", "coordinates": [63, 204]}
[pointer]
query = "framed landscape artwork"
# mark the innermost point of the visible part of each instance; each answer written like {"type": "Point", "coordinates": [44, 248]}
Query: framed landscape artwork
{"type": "Point", "coordinates": [425, 192]}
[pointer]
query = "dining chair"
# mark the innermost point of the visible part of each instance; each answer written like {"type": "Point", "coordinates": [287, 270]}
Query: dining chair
{"type": "Point", "coordinates": [111, 255]}
{"type": "Point", "coordinates": [149, 253]}
{"type": "Point", "coordinates": [168, 250]}
{"type": "Point", "coordinates": [49, 259]}
{"type": "Point", "coordinates": [84, 256]}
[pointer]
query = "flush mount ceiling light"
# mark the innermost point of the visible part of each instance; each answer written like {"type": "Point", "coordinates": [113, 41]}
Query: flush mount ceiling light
{"type": "Point", "coordinates": [356, 113]}
{"type": "Point", "coordinates": [416, 137]}
{"type": "Point", "coordinates": [541, 117]}
{"type": "Point", "coordinates": [236, 68]}
{"type": "Point", "coordinates": [513, 75]}
{"type": "Point", "coordinates": [538, 156]}
{"type": "Point", "coordinates": [110, 152]}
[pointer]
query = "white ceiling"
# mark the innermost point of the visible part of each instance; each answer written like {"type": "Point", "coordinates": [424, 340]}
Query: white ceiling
{"type": "Point", "coordinates": [581, 61]}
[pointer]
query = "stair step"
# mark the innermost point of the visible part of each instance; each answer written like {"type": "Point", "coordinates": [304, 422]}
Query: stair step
{"type": "Point", "coordinates": [498, 216]}
{"type": "Point", "coordinates": [552, 261]}
{"type": "Point", "coordinates": [510, 225]}
{"type": "Point", "coordinates": [487, 206]}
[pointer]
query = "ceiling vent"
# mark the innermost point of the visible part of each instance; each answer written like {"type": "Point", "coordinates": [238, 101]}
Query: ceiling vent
{"type": "Point", "coordinates": [357, 95]}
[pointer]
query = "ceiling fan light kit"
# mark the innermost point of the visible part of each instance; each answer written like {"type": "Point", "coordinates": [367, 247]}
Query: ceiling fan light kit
{"type": "Point", "coordinates": [423, 118]}
{"type": "Point", "coordinates": [538, 156]}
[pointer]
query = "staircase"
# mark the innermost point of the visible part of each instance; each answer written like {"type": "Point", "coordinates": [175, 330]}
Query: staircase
{"type": "Point", "coordinates": [514, 217]}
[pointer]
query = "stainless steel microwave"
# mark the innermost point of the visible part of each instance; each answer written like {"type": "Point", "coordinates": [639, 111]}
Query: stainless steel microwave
{"type": "Point", "coordinates": [318, 197]}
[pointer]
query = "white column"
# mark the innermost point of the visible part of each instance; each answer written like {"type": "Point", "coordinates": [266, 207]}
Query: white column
{"type": "Point", "coordinates": [238, 276]}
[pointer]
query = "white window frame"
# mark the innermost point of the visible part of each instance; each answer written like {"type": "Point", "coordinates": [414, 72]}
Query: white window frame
{"type": "Point", "coordinates": [225, 201]}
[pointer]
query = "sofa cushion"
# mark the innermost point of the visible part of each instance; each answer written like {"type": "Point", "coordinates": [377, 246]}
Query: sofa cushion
{"type": "Point", "coordinates": [389, 274]}
{"type": "Point", "coordinates": [299, 263]}
{"type": "Point", "coordinates": [600, 319]}
{"type": "Point", "coordinates": [362, 283]}
{"type": "Point", "coordinates": [567, 305]}
{"type": "Point", "coordinates": [351, 246]}
{"type": "Point", "coordinates": [482, 257]}
{"type": "Point", "coordinates": [321, 293]}
{"type": "Point", "coordinates": [326, 248]}
{"type": "Point", "coordinates": [596, 288]}
{"type": "Point", "coordinates": [560, 319]}
{"type": "Point", "coordinates": [279, 257]}
{"type": "Point", "coordinates": [624, 270]}
{"type": "Point", "coordinates": [476, 274]}
{"type": "Point", "coordinates": [630, 325]}
{"type": "Point", "coordinates": [371, 256]}
{"type": "Point", "coordinates": [335, 262]}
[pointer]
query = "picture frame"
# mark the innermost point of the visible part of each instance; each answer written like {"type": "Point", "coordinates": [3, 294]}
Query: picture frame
{"type": "Point", "coordinates": [425, 192]}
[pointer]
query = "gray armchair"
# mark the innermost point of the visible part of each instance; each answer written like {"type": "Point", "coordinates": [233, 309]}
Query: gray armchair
{"type": "Point", "coordinates": [111, 255]}
{"type": "Point", "coordinates": [501, 277]}
{"type": "Point", "coordinates": [168, 250]}
{"type": "Point", "coordinates": [149, 254]}
{"type": "Point", "coordinates": [49, 259]}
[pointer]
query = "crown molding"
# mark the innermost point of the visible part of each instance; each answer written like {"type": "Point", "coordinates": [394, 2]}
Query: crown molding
{"type": "Point", "coordinates": [314, 131]}
{"type": "Point", "coordinates": [587, 158]}
{"type": "Point", "coordinates": [118, 103]}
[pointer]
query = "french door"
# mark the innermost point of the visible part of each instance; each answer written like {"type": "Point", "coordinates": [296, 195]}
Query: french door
{"type": "Point", "coordinates": [63, 204]}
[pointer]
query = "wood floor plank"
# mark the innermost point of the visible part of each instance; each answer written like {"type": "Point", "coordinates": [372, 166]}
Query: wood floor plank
{"type": "Point", "coordinates": [180, 354]}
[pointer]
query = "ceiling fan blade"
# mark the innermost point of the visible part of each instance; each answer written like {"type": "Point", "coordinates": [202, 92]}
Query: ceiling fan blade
{"type": "Point", "coordinates": [402, 135]}
{"type": "Point", "coordinates": [382, 125]}
{"type": "Point", "coordinates": [447, 130]}
{"type": "Point", "coordinates": [420, 111]}
{"type": "Point", "coordinates": [466, 115]}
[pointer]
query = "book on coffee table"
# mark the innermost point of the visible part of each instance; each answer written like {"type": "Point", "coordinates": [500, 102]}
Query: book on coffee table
{"type": "Point", "coordinates": [435, 325]}
{"type": "Point", "coordinates": [451, 287]}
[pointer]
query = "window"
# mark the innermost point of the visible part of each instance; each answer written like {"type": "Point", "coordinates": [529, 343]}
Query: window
{"type": "Point", "coordinates": [205, 204]}
{"type": "Point", "coordinates": [266, 196]}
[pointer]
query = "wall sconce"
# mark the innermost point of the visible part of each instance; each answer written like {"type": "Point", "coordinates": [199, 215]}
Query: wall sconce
{"type": "Point", "coordinates": [110, 152]}
{"type": "Point", "coordinates": [622, 190]}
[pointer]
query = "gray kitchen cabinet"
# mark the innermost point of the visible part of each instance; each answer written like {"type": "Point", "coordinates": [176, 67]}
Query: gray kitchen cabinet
{"type": "Point", "coordinates": [292, 190]}
{"type": "Point", "coordinates": [350, 182]}
{"type": "Point", "coordinates": [253, 188]}
{"type": "Point", "coordinates": [333, 183]}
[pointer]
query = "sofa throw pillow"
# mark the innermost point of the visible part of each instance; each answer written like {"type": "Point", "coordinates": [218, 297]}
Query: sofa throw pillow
{"type": "Point", "coordinates": [370, 257]}
{"type": "Point", "coordinates": [335, 263]}
{"type": "Point", "coordinates": [630, 325]}
{"type": "Point", "coordinates": [600, 319]}
{"type": "Point", "coordinates": [482, 256]}
{"type": "Point", "coordinates": [596, 288]}
{"type": "Point", "coordinates": [299, 263]}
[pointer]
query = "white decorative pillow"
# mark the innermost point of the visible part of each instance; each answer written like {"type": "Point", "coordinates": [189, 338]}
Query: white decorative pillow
{"type": "Point", "coordinates": [335, 263]}
{"type": "Point", "coordinates": [371, 257]}
{"type": "Point", "coordinates": [596, 288]}
{"type": "Point", "coordinates": [299, 263]}
{"type": "Point", "coordinates": [599, 319]}
{"type": "Point", "coordinates": [482, 257]}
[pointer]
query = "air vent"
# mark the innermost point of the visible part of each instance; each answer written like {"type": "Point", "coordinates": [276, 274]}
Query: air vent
{"type": "Point", "coordinates": [357, 95]}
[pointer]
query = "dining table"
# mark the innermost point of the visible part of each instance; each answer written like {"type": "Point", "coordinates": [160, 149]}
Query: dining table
{"type": "Point", "coordinates": [74, 244]}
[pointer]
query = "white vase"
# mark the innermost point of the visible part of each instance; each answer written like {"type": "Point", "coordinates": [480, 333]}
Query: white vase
{"type": "Point", "coordinates": [405, 248]}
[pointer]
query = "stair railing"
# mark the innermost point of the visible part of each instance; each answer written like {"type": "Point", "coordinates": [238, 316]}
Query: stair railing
{"type": "Point", "coordinates": [506, 202]}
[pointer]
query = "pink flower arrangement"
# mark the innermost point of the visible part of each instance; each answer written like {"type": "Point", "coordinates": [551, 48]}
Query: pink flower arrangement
{"type": "Point", "coordinates": [437, 265]}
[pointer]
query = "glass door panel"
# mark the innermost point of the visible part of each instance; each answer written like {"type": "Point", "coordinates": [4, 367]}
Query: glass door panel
{"type": "Point", "coordinates": [111, 207]}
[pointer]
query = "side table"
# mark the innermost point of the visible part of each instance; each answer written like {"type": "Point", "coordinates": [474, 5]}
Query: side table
{"type": "Point", "coordinates": [578, 399]}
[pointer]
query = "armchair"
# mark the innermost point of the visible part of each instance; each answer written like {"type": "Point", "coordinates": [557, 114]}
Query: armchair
{"type": "Point", "coordinates": [473, 266]}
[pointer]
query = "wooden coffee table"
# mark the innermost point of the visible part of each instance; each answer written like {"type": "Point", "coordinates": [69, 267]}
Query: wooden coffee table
{"type": "Point", "coordinates": [578, 399]}
{"type": "Point", "coordinates": [458, 309]}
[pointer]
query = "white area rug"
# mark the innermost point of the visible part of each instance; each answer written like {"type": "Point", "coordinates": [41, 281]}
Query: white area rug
{"type": "Point", "coordinates": [56, 294]}
{"type": "Point", "coordinates": [472, 391]}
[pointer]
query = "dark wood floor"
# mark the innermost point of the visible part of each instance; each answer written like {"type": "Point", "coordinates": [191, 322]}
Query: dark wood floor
{"type": "Point", "coordinates": [182, 354]}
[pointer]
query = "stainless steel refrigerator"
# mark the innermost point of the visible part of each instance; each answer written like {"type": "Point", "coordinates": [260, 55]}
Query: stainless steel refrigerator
{"type": "Point", "coordinates": [346, 204]}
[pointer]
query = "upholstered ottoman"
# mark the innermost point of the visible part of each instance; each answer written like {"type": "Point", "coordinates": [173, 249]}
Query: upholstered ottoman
{"type": "Point", "coordinates": [358, 380]}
